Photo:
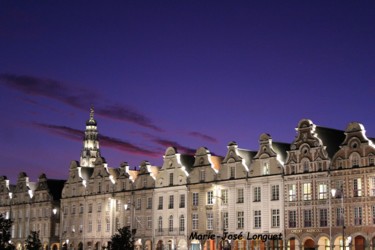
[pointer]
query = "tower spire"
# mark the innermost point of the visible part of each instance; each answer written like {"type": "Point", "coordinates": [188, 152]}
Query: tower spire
{"type": "Point", "coordinates": [90, 151]}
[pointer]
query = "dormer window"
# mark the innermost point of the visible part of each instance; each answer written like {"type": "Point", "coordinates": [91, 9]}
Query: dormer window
{"type": "Point", "coordinates": [170, 179]}
{"type": "Point", "coordinates": [232, 173]}
{"type": "Point", "coordinates": [202, 175]}
{"type": "Point", "coordinates": [305, 166]}
{"type": "Point", "coordinates": [354, 159]}
{"type": "Point", "coordinates": [266, 168]}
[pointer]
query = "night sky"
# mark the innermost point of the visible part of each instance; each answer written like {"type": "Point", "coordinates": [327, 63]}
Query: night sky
{"type": "Point", "coordinates": [176, 73]}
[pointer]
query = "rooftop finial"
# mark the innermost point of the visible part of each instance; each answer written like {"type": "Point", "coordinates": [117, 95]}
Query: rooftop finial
{"type": "Point", "coordinates": [92, 113]}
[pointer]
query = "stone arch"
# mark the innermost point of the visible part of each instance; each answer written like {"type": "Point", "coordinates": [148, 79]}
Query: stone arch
{"type": "Point", "coordinates": [309, 244]}
{"type": "Point", "coordinates": [182, 245]}
{"type": "Point", "coordinates": [359, 242]}
{"type": "Point", "coordinates": [323, 243]}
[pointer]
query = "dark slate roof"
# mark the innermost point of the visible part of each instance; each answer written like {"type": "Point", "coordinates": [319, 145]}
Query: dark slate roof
{"type": "Point", "coordinates": [86, 172]}
{"type": "Point", "coordinates": [247, 155]}
{"type": "Point", "coordinates": [187, 161]}
{"type": "Point", "coordinates": [55, 187]}
{"type": "Point", "coordinates": [332, 139]}
{"type": "Point", "coordinates": [281, 149]}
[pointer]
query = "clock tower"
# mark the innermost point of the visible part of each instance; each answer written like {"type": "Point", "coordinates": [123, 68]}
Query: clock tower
{"type": "Point", "coordinates": [90, 151]}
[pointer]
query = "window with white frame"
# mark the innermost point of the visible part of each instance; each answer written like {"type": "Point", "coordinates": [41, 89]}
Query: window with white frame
{"type": "Point", "coordinates": [372, 183]}
{"type": "Point", "coordinates": [160, 224]}
{"type": "Point", "coordinates": [358, 216]}
{"type": "Point", "coordinates": [357, 187]}
{"type": "Point", "coordinates": [182, 223]}
{"type": "Point", "coordinates": [171, 202]}
{"type": "Point", "coordinates": [170, 179]}
{"type": "Point", "coordinates": [108, 223]}
{"type": "Point", "coordinates": [275, 217]}
{"type": "Point", "coordinates": [232, 173]}
{"type": "Point", "coordinates": [306, 166]}
{"type": "Point", "coordinates": [240, 219]}
{"type": "Point", "coordinates": [323, 217]}
{"type": "Point", "coordinates": [160, 206]}
{"type": "Point", "coordinates": [307, 191]}
{"type": "Point", "coordinates": [307, 218]}
{"type": "Point", "coordinates": [323, 194]}
{"type": "Point", "coordinates": [202, 175]}
{"type": "Point", "coordinates": [138, 204]}
{"type": "Point", "coordinates": [170, 223]}
{"type": "Point", "coordinates": [99, 207]}
{"type": "Point", "coordinates": [182, 200]}
{"type": "Point", "coordinates": [224, 196]}
{"type": "Point", "coordinates": [210, 196]}
{"type": "Point", "coordinates": [292, 192]}
{"type": "Point", "coordinates": [354, 159]}
{"type": "Point", "coordinates": [257, 194]}
{"type": "Point", "coordinates": [195, 221]}
{"type": "Point", "coordinates": [90, 224]}
{"type": "Point", "coordinates": [257, 219]}
{"type": "Point", "coordinates": [210, 221]}
{"type": "Point", "coordinates": [240, 197]}
{"type": "Point", "coordinates": [275, 195]}
{"type": "Point", "coordinates": [292, 218]}
{"type": "Point", "coordinates": [225, 220]}
{"type": "Point", "coordinates": [149, 202]}
{"type": "Point", "coordinates": [99, 224]}
{"type": "Point", "coordinates": [149, 222]}
{"type": "Point", "coordinates": [195, 199]}
{"type": "Point", "coordinates": [340, 217]}
{"type": "Point", "coordinates": [266, 168]}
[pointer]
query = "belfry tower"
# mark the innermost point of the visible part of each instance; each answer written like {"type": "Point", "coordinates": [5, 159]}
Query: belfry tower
{"type": "Point", "coordinates": [90, 151]}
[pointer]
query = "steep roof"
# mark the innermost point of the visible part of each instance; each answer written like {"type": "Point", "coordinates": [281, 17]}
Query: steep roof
{"type": "Point", "coordinates": [55, 188]}
{"type": "Point", "coordinates": [331, 138]}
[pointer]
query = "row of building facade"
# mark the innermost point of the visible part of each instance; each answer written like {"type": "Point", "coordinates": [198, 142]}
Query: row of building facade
{"type": "Point", "coordinates": [316, 193]}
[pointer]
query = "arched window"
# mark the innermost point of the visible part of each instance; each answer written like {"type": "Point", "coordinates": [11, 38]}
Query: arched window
{"type": "Point", "coordinates": [182, 223]}
{"type": "Point", "coordinates": [160, 224]}
{"type": "Point", "coordinates": [170, 223]}
{"type": "Point", "coordinates": [354, 159]}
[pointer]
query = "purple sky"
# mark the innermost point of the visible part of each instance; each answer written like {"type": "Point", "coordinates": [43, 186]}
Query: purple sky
{"type": "Point", "coordinates": [176, 73]}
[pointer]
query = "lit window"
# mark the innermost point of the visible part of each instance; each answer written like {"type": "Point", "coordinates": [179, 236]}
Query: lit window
{"type": "Point", "coordinates": [323, 191]}
{"type": "Point", "coordinates": [357, 184]}
{"type": "Point", "coordinates": [306, 191]}
{"type": "Point", "coordinates": [292, 192]}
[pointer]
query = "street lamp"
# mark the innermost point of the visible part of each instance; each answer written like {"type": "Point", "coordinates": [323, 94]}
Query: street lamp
{"type": "Point", "coordinates": [342, 217]}
{"type": "Point", "coordinates": [127, 207]}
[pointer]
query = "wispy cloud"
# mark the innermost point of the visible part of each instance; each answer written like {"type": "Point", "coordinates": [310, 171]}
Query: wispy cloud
{"type": "Point", "coordinates": [167, 143]}
{"type": "Point", "coordinates": [76, 97]}
{"type": "Point", "coordinates": [203, 136]}
{"type": "Point", "coordinates": [105, 141]}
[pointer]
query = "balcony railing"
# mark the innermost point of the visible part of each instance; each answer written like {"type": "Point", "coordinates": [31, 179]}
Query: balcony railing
{"type": "Point", "coordinates": [169, 231]}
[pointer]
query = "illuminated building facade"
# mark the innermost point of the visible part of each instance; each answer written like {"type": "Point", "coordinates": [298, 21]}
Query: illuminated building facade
{"type": "Point", "coordinates": [314, 192]}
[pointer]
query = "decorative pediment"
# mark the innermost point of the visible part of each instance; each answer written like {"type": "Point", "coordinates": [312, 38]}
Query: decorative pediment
{"type": "Point", "coordinates": [306, 135]}
{"type": "Point", "coordinates": [232, 153]}
{"type": "Point", "coordinates": [265, 147]}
